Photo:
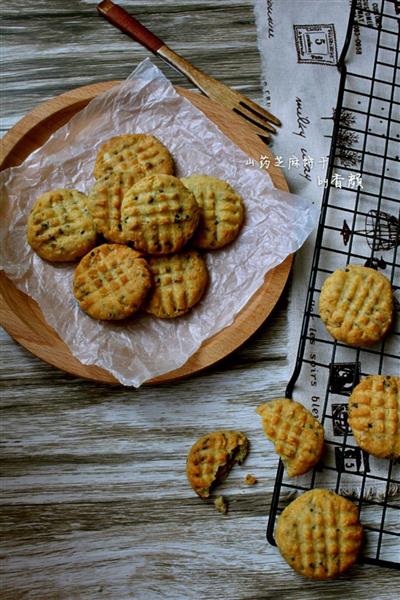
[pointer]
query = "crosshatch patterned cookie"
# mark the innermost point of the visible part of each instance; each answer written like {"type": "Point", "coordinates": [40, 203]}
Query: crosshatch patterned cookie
{"type": "Point", "coordinates": [60, 226]}
{"type": "Point", "coordinates": [319, 534]}
{"type": "Point", "coordinates": [179, 283]}
{"type": "Point", "coordinates": [159, 215]}
{"type": "Point", "coordinates": [297, 435]}
{"type": "Point", "coordinates": [374, 415]}
{"type": "Point", "coordinates": [211, 458]}
{"type": "Point", "coordinates": [356, 305]}
{"type": "Point", "coordinates": [111, 282]}
{"type": "Point", "coordinates": [221, 211]}
{"type": "Point", "coordinates": [138, 152]}
{"type": "Point", "coordinates": [105, 201]}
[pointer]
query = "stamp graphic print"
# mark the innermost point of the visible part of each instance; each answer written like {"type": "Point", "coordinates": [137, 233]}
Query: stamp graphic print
{"type": "Point", "coordinates": [316, 44]}
{"type": "Point", "coordinates": [339, 419]}
{"type": "Point", "coordinates": [343, 377]}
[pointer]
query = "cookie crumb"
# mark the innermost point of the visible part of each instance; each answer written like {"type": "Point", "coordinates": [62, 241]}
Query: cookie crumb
{"type": "Point", "coordinates": [250, 479]}
{"type": "Point", "coordinates": [221, 504]}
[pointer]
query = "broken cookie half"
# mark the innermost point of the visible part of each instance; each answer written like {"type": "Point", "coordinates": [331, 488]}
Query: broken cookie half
{"type": "Point", "coordinates": [297, 435]}
{"type": "Point", "coordinates": [212, 457]}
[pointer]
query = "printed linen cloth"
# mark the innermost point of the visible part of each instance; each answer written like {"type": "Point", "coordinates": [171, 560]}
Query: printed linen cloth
{"type": "Point", "coordinates": [300, 43]}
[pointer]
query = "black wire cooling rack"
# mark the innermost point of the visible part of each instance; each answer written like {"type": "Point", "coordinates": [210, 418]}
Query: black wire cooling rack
{"type": "Point", "coordinates": [359, 224]}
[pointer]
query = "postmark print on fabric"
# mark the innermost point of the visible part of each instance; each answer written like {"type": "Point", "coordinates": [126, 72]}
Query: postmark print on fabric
{"type": "Point", "coordinates": [316, 44]}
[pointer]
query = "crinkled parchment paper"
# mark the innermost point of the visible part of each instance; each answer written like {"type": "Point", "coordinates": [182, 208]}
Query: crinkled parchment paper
{"type": "Point", "coordinates": [276, 225]}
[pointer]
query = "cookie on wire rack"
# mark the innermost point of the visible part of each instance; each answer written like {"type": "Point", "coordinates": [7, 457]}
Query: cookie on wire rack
{"type": "Point", "coordinates": [159, 215]}
{"type": "Point", "coordinates": [60, 226]}
{"type": "Point", "coordinates": [221, 211]}
{"type": "Point", "coordinates": [179, 280]}
{"type": "Point", "coordinates": [356, 305]}
{"type": "Point", "coordinates": [212, 457]}
{"type": "Point", "coordinates": [319, 534]}
{"type": "Point", "coordinates": [111, 282]}
{"type": "Point", "coordinates": [297, 435]}
{"type": "Point", "coordinates": [105, 200]}
{"type": "Point", "coordinates": [374, 415]}
{"type": "Point", "coordinates": [137, 152]}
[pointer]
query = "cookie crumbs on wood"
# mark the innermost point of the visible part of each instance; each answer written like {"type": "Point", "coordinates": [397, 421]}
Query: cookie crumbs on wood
{"type": "Point", "coordinates": [221, 504]}
{"type": "Point", "coordinates": [250, 479]}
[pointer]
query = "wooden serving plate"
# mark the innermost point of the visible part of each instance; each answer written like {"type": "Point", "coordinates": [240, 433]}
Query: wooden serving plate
{"type": "Point", "coordinates": [21, 316]}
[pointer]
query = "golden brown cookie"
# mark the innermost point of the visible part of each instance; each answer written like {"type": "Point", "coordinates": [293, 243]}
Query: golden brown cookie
{"type": "Point", "coordinates": [111, 282]}
{"type": "Point", "coordinates": [356, 305]}
{"type": "Point", "coordinates": [319, 534]}
{"type": "Point", "coordinates": [221, 211]}
{"type": "Point", "coordinates": [105, 201]}
{"type": "Point", "coordinates": [159, 215]}
{"type": "Point", "coordinates": [297, 435]}
{"type": "Point", "coordinates": [60, 226]}
{"type": "Point", "coordinates": [374, 415]}
{"type": "Point", "coordinates": [211, 458]}
{"type": "Point", "coordinates": [179, 283]}
{"type": "Point", "coordinates": [138, 152]}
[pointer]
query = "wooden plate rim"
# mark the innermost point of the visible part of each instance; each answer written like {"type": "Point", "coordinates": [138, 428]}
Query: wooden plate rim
{"type": "Point", "coordinates": [213, 349]}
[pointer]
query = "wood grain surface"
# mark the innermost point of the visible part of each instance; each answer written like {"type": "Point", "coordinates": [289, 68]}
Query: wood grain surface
{"type": "Point", "coordinates": [94, 501]}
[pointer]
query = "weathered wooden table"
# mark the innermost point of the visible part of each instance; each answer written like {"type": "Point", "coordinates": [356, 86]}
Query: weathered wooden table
{"type": "Point", "coordinates": [94, 500]}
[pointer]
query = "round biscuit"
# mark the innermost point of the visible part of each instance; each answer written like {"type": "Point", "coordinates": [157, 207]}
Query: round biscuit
{"type": "Point", "coordinates": [179, 283]}
{"type": "Point", "coordinates": [105, 200]}
{"type": "Point", "coordinates": [221, 211]}
{"type": "Point", "coordinates": [144, 154]}
{"type": "Point", "coordinates": [159, 215]}
{"type": "Point", "coordinates": [297, 435]}
{"type": "Point", "coordinates": [60, 226]}
{"type": "Point", "coordinates": [356, 305]}
{"type": "Point", "coordinates": [319, 534]}
{"type": "Point", "coordinates": [211, 458]}
{"type": "Point", "coordinates": [111, 282]}
{"type": "Point", "coordinates": [374, 415]}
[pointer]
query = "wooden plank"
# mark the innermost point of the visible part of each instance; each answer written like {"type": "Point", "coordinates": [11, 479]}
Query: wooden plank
{"type": "Point", "coordinates": [94, 500]}
{"type": "Point", "coordinates": [197, 30]}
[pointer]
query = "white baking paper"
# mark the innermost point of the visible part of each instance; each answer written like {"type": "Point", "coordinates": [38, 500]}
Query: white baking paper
{"type": "Point", "coordinates": [277, 224]}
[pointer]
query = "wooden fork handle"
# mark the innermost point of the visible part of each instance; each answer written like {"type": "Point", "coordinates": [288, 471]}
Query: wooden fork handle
{"type": "Point", "coordinates": [118, 17]}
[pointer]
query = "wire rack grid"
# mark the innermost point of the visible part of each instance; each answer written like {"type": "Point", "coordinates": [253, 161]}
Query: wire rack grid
{"type": "Point", "coordinates": [359, 223]}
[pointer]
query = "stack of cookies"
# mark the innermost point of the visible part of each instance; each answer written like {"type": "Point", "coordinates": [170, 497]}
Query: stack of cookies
{"type": "Point", "coordinates": [154, 226]}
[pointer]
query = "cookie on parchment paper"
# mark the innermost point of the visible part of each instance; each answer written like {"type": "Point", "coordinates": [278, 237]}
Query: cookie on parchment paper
{"type": "Point", "coordinates": [111, 282]}
{"type": "Point", "coordinates": [179, 283]}
{"type": "Point", "coordinates": [297, 435]}
{"type": "Point", "coordinates": [374, 415]}
{"type": "Point", "coordinates": [105, 200]}
{"type": "Point", "coordinates": [137, 152]}
{"type": "Point", "coordinates": [319, 534]}
{"type": "Point", "coordinates": [356, 305]}
{"type": "Point", "coordinates": [159, 214]}
{"type": "Point", "coordinates": [211, 458]}
{"type": "Point", "coordinates": [60, 226]}
{"type": "Point", "coordinates": [221, 211]}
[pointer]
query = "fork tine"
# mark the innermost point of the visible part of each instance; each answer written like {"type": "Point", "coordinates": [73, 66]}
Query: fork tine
{"type": "Point", "coordinates": [259, 129]}
{"type": "Point", "coordinates": [260, 111]}
{"type": "Point", "coordinates": [262, 129]}
{"type": "Point", "coordinates": [246, 113]}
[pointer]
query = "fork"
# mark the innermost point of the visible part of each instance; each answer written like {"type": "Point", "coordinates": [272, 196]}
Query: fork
{"type": "Point", "coordinates": [261, 121]}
